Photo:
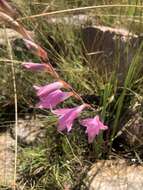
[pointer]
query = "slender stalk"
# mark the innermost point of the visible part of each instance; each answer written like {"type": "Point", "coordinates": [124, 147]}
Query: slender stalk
{"type": "Point", "coordinates": [16, 112]}
{"type": "Point", "coordinates": [78, 9]}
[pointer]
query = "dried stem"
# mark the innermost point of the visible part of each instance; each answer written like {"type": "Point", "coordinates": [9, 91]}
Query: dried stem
{"type": "Point", "coordinates": [16, 111]}
{"type": "Point", "coordinates": [78, 9]}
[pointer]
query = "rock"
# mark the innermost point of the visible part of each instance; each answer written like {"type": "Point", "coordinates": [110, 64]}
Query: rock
{"type": "Point", "coordinates": [132, 125]}
{"type": "Point", "coordinates": [133, 131]}
{"type": "Point", "coordinates": [115, 175]}
{"type": "Point", "coordinates": [6, 159]}
{"type": "Point", "coordinates": [29, 131]}
{"type": "Point", "coordinates": [109, 49]}
{"type": "Point", "coordinates": [74, 20]}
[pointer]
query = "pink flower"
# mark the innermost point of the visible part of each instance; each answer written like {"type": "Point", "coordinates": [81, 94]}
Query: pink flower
{"type": "Point", "coordinates": [67, 116]}
{"type": "Point", "coordinates": [36, 66]}
{"type": "Point", "coordinates": [54, 98]}
{"type": "Point", "coordinates": [93, 127]}
{"type": "Point", "coordinates": [36, 49]}
{"type": "Point", "coordinates": [43, 91]}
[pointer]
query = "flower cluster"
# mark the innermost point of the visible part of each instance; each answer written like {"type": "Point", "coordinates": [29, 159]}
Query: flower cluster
{"type": "Point", "coordinates": [52, 94]}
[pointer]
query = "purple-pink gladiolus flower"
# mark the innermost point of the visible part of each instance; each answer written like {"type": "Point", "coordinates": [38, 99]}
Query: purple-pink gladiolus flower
{"type": "Point", "coordinates": [36, 66]}
{"type": "Point", "coordinates": [93, 127]}
{"type": "Point", "coordinates": [36, 49]}
{"type": "Point", "coordinates": [67, 116]}
{"type": "Point", "coordinates": [43, 91]}
{"type": "Point", "coordinates": [54, 98]}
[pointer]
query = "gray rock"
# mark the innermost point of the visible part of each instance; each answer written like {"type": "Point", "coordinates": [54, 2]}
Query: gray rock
{"type": "Point", "coordinates": [115, 175]}
{"type": "Point", "coordinates": [30, 131]}
{"type": "Point", "coordinates": [110, 49]}
{"type": "Point", "coordinates": [132, 125]}
{"type": "Point", "coordinates": [74, 20]}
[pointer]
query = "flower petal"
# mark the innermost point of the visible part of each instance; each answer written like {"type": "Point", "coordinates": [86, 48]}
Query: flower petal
{"type": "Point", "coordinates": [45, 90]}
{"type": "Point", "coordinates": [87, 122]}
{"type": "Point", "coordinates": [35, 66]}
{"type": "Point", "coordinates": [60, 112]}
{"type": "Point", "coordinates": [53, 99]}
{"type": "Point", "coordinates": [93, 127]}
{"type": "Point", "coordinates": [67, 116]}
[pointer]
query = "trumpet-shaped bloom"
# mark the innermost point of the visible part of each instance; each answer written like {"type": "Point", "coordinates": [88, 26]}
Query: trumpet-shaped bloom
{"type": "Point", "coordinates": [93, 127]}
{"type": "Point", "coordinates": [54, 98]}
{"type": "Point", "coordinates": [36, 49]}
{"type": "Point", "coordinates": [36, 66]}
{"type": "Point", "coordinates": [43, 91]}
{"type": "Point", "coordinates": [67, 116]}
